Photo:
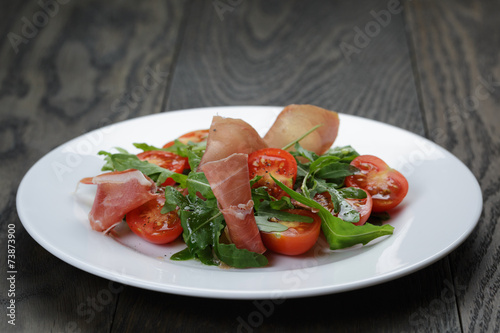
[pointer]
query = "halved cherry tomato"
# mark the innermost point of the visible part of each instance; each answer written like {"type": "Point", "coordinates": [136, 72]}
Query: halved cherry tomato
{"type": "Point", "coordinates": [272, 161]}
{"type": "Point", "coordinates": [166, 160]}
{"type": "Point", "coordinates": [387, 186]}
{"type": "Point", "coordinates": [194, 136]}
{"type": "Point", "coordinates": [363, 207]}
{"type": "Point", "coordinates": [297, 239]}
{"type": "Point", "coordinates": [149, 223]}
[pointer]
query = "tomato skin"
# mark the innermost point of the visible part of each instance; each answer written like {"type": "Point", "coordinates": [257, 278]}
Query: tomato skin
{"type": "Point", "coordinates": [193, 136]}
{"type": "Point", "coordinates": [363, 207]}
{"type": "Point", "coordinates": [166, 160]}
{"type": "Point", "coordinates": [387, 186]}
{"type": "Point", "coordinates": [297, 239]}
{"type": "Point", "coordinates": [273, 161]}
{"type": "Point", "coordinates": [149, 223]}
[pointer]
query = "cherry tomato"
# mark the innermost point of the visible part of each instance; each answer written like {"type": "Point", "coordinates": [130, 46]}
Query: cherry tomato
{"type": "Point", "coordinates": [297, 239]}
{"type": "Point", "coordinates": [149, 223]}
{"type": "Point", "coordinates": [272, 161]}
{"type": "Point", "coordinates": [166, 160]}
{"type": "Point", "coordinates": [387, 186]}
{"type": "Point", "coordinates": [363, 207]}
{"type": "Point", "coordinates": [194, 136]}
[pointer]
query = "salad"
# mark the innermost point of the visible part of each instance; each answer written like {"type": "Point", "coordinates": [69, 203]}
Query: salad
{"type": "Point", "coordinates": [234, 196]}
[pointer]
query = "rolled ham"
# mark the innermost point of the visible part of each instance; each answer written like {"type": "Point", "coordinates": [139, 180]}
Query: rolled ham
{"type": "Point", "coordinates": [228, 179]}
{"type": "Point", "coordinates": [117, 194]}
{"type": "Point", "coordinates": [295, 120]}
{"type": "Point", "coordinates": [228, 136]}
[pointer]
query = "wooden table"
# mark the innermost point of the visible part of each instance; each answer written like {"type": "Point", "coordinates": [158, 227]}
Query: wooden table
{"type": "Point", "coordinates": [430, 67]}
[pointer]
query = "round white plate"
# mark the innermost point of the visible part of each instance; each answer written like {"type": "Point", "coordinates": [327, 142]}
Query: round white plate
{"type": "Point", "coordinates": [429, 224]}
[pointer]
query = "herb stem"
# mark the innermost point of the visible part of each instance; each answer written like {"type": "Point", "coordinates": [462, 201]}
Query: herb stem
{"type": "Point", "coordinates": [302, 137]}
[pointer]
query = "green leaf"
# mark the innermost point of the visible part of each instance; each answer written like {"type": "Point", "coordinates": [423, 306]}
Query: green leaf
{"type": "Point", "coordinates": [336, 170]}
{"type": "Point", "coordinates": [146, 147]}
{"type": "Point", "coordinates": [352, 193]}
{"type": "Point", "coordinates": [267, 226]}
{"type": "Point", "coordinates": [193, 151]}
{"type": "Point", "coordinates": [197, 220]}
{"type": "Point", "coordinates": [283, 203]}
{"type": "Point", "coordinates": [194, 159]}
{"type": "Point", "coordinates": [182, 255]}
{"type": "Point", "coordinates": [346, 153]}
{"type": "Point", "coordinates": [174, 199]}
{"type": "Point", "coordinates": [302, 152]}
{"type": "Point", "coordinates": [344, 210]}
{"type": "Point", "coordinates": [266, 210]}
{"type": "Point", "coordinates": [197, 182]}
{"type": "Point", "coordinates": [240, 258]}
{"type": "Point", "coordinates": [125, 161]}
{"type": "Point", "coordinates": [340, 234]}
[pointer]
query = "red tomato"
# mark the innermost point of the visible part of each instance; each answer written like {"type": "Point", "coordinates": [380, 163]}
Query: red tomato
{"type": "Point", "coordinates": [194, 136]}
{"type": "Point", "coordinates": [166, 160]}
{"type": "Point", "coordinates": [387, 186]}
{"type": "Point", "coordinates": [297, 239]}
{"type": "Point", "coordinates": [149, 223]}
{"type": "Point", "coordinates": [273, 161]}
{"type": "Point", "coordinates": [363, 207]}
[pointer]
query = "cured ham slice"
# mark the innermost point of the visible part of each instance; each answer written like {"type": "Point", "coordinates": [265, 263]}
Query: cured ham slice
{"type": "Point", "coordinates": [295, 120]}
{"type": "Point", "coordinates": [228, 179]}
{"type": "Point", "coordinates": [117, 194]}
{"type": "Point", "coordinates": [228, 136]}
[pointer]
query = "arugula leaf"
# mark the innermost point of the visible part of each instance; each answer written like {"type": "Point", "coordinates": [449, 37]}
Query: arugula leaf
{"type": "Point", "coordinates": [146, 147]}
{"type": "Point", "coordinates": [124, 161]}
{"type": "Point", "coordinates": [197, 220]}
{"type": "Point", "coordinates": [344, 210]}
{"type": "Point", "coordinates": [283, 203]}
{"type": "Point", "coordinates": [232, 256]}
{"type": "Point", "coordinates": [340, 234]}
{"type": "Point", "coordinates": [299, 151]}
{"type": "Point", "coordinates": [174, 199]}
{"type": "Point", "coordinates": [239, 258]}
{"type": "Point", "coordinates": [267, 226]}
{"type": "Point", "coordinates": [266, 210]}
{"type": "Point", "coordinates": [193, 151]}
{"type": "Point", "coordinates": [198, 182]}
{"type": "Point", "coordinates": [336, 170]}
{"type": "Point", "coordinates": [182, 255]}
{"type": "Point", "coordinates": [352, 193]}
{"type": "Point", "coordinates": [345, 153]}
{"type": "Point", "coordinates": [203, 223]}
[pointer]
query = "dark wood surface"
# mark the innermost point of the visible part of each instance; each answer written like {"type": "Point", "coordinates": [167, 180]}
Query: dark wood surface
{"type": "Point", "coordinates": [431, 67]}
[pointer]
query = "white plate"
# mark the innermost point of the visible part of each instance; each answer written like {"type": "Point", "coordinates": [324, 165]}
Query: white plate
{"type": "Point", "coordinates": [441, 209]}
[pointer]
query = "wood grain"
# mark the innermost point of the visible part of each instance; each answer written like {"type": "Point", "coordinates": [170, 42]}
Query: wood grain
{"type": "Point", "coordinates": [432, 69]}
{"type": "Point", "coordinates": [284, 52]}
{"type": "Point", "coordinates": [457, 58]}
{"type": "Point", "coordinates": [90, 64]}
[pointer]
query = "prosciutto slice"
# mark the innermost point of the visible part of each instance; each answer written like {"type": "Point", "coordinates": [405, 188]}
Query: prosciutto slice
{"type": "Point", "coordinates": [229, 180]}
{"type": "Point", "coordinates": [295, 120]}
{"type": "Point", "coordinates": [228, 136]}
{"type": "Point", "coordinates": [117, 194]}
